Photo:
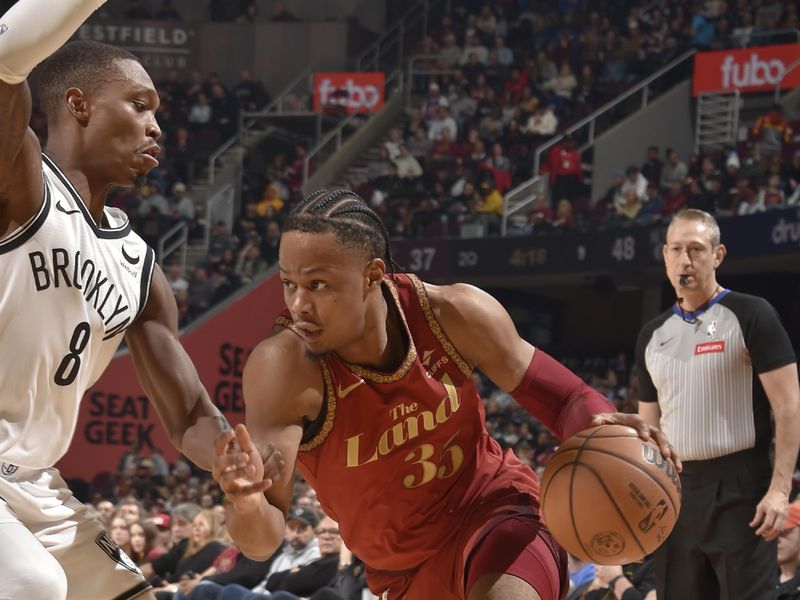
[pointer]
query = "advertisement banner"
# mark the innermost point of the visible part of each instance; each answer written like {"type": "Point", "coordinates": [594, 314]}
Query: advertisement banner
{"type": "Point", "coordinates": [356, 92]}
{"type": "Point", "coordinates": [748, 70]}
{"type": "Point", "coordinates": [115, 413]}
{"type": "Point", "coordinates": [161, 46]}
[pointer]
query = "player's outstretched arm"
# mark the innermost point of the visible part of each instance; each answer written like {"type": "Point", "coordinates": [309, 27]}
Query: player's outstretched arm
{"type": "Point", "coordinates": [282, 388]}
{"type": "Point", "coordinates": [485, 335]}
{"type": "Point", "coordinates": [169, 378]}
{"type": "Point", "coordinates": [30, 31]}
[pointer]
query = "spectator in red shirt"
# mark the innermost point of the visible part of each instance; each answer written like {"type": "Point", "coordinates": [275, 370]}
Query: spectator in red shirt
{"type": "Point", "coordinates": [563, 167]}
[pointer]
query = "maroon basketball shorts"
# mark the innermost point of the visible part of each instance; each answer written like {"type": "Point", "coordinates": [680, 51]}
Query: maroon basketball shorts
{"type": "Point", "coordinates": [512, 541]}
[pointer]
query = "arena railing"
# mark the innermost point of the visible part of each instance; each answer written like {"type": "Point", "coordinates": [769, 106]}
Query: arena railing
{"type": "Point", "coordinates": [788, 70]}
{"type": "Point", "coordinates": [589, 129]}
{"type": "Point", "coordinates": [175, 239]}
{"type": "Point", "coordinates": [392, 46]}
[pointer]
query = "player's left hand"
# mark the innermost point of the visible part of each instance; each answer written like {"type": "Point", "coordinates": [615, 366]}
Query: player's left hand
{"type": "Point", "coordinates": [645, 431]}
{"type": "Point", "coordinates": [771, 513]}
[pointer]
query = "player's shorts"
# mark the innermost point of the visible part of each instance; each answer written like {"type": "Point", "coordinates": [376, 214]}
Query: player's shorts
{"type": "Point", "coordinates": [513, 540]}
{"type": "Point", "coordinates": [40, 520]}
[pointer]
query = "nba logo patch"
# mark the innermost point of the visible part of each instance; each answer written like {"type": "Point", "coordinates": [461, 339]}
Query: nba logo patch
{"type": "Point", "coordinates": [711, 330]}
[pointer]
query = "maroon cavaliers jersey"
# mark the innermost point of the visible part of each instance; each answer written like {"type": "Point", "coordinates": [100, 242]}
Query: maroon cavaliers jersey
{"type": "Point", "coordinates": [403, 459]}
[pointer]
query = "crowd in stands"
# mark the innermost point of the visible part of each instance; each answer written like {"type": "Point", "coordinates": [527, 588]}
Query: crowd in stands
{"type": "Point", "coordinates": [498, 79]}
{"type": "Point", "coordinates": [762, 174]}
{"type": "Point", "coordinates": [503, 78]}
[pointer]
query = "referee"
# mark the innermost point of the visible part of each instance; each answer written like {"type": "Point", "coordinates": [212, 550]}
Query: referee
{"type": "Point", "coordinates": [710, 368]}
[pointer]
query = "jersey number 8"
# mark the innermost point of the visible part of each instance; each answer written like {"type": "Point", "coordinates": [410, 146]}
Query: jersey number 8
{"type": "Point", "coordinates": [70, 365]}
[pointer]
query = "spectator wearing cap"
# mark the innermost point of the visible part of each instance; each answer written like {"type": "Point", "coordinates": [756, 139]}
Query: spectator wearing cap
{"type": "Point", "coordinates": [305, 580]}
{"type": "Point", "coordinates": [789, 556]}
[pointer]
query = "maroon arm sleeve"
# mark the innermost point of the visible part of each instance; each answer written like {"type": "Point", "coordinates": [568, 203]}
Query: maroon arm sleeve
{"type": "Point", "coordinates": [557, 397]}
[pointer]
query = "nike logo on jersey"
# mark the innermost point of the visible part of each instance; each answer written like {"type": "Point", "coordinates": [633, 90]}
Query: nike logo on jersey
{"type": "Point", "coordinates": [60, 207]}
{"type": "Point", "coordinates": [131, 259]}
{"type": "Point", "coordinates": [343, 392]}
{"type": "Point", "coordinates": [664, 343]}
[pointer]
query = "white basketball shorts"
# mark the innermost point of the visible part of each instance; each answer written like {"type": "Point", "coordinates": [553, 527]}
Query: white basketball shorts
{"type": "Point", "coordinates": [39, 500]}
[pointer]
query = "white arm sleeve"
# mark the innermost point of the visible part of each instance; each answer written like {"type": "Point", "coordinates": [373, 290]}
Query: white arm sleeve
{"type": "Point", "coordinates": [33, 29]}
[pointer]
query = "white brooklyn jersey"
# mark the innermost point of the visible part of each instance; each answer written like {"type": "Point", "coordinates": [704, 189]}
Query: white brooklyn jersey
{"type": "Point", "coordinates": [69, 291]}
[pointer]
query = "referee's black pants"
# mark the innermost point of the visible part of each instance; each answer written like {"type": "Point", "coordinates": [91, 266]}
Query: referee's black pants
{"type": "Point", "coordinates": [713, 552]}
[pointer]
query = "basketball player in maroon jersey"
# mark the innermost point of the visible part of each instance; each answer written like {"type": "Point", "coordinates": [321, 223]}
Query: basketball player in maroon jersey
{"type": "Point", "coordinates": [366, 384]}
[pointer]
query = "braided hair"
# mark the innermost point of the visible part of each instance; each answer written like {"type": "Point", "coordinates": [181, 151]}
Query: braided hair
{"type": "Point", "coordinates": [345, 214]}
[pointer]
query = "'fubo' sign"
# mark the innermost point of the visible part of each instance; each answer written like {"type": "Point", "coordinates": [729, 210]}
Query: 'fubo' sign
{"type": "Point", "coordinates": [749, 70]}
{"type": "Point", "coordinates": [355, 92]}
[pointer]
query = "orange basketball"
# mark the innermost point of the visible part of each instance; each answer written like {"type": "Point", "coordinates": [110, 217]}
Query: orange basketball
{"type": "Point", "coordinates": [609, 497]}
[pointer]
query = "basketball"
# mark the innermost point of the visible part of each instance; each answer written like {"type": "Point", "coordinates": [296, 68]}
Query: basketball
{"type": "Point", "coordinates": [609, 497]}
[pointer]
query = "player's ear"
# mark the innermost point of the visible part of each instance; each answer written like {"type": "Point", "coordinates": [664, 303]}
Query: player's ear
{"type": "Point", "coordinates": [374, 272]}
{"type": "Point", "coordinates": [77, 105]}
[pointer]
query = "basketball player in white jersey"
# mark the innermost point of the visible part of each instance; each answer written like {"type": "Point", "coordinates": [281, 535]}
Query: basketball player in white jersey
{"type": "Point", "coordinates": [74, 279]}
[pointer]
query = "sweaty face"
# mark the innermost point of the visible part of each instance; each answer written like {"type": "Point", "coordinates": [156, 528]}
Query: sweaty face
{"type": "Point", "coordinates": [121, 134]}
{"type": "Point", "coordinates": [325, 289]}
{"type": "Point", "coordinates": [688, 252]}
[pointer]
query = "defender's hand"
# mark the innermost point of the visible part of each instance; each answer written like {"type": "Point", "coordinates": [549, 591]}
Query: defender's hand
{"type": "Point", "coordinates": [239, 469]}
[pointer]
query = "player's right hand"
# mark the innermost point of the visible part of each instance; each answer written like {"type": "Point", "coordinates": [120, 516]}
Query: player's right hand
{"type": "Point", "coordinates": [239, 468]}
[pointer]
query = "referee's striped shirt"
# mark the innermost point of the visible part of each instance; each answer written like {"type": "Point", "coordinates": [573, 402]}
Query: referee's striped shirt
{"type": "Point", "coordinates": [702, 368]}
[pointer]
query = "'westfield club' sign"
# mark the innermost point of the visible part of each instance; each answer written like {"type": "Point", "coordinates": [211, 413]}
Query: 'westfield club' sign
{"type": "Point", "coordinates": [749, 70]}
